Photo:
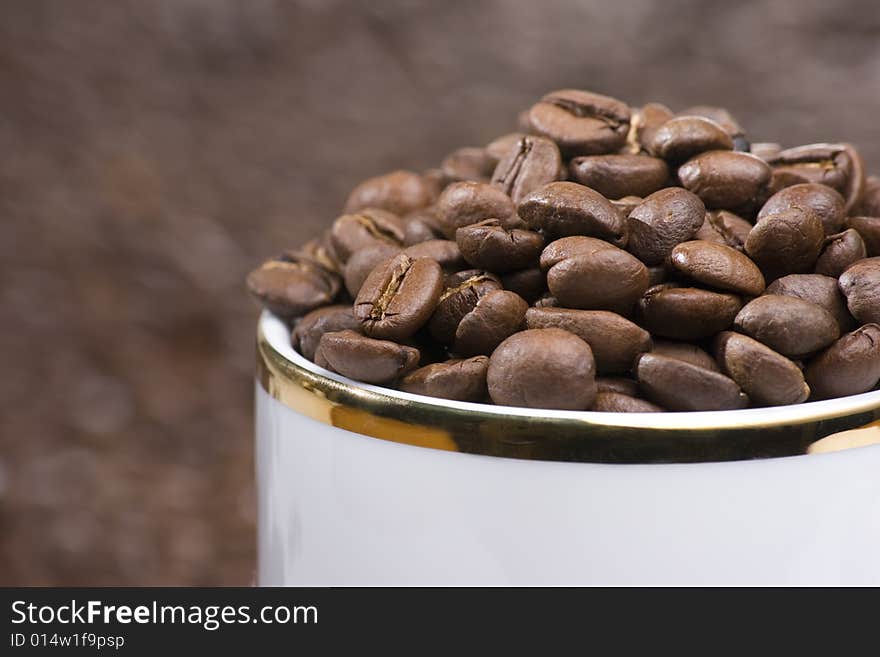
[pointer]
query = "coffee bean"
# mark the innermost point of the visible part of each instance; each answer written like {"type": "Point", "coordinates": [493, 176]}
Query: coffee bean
{"type": "Point", "coordinates": [686, 313]}
{"type": "Point", "coordinates": [321, 251]}
{"type": "Point", "coordinates": [826, 203]}
{"type": "Point", "coordinates": [600, 278]}
{"type": "Point", "coordinates": [685, 136]}
{"type": "Point", "coordinates": [617, 176]}
{"type": "Point", "coordinates": [689, 353]}
{"type": "Point", "coordinates": [664, 219]}
{"type": "Point", "coordinates": [501, 146]}
{"type": "Point", "coordinates": [618, 384]}
{"type": "Point", "coordinates": [725, 179]}
{"type": "Point", "coordinates": [422, 225]}
{"type": "Point", "coordinates": [644, 124]}
{"type": "Point", "coordinates": [860, 285]}
{"type": "Point", "coordinates": [723, 227]}
{"type": "Point", "coordinates": [487, 245]}
{"type": "Point", "coordinates": [626, 204]}
{"type": "Point", "coordinates": [465, 203]}
{"type": "Point", "coordinates": [614, 402]}
{"type": "Point", "coordinates": [680, 386]}
{"type": "Point", "coordinates": [719, 115]}
{"type": "Point", "coordinates": [309, 329]}
{"type": "Point", "coordinates": [546, 301]}
{"type": "Point", "coordinates": [840, 252]}
{"type": "Point", "coordinates": [718, 266]}
{"type": "Point", "coordinates": [869, 229]}
{"type": "Point", "coordinates": [818, 289]}
{"type": "Point", "coordinates": [848, 367]}
{"type": "Point", "coordinates": [563, 209]}
{"type": "Point", "coordinates": [457, 379]}
{"type": "Point", "coordinates": [837, 165]}
{"type": "Point", "coordinates": [580, 122]}
{"type": "Point", "coordinates": [529, 283]}
{"type": "Point", "coordinates": [615, 340]}
{"type": "Point", "coordinates": [462, 292]}
{"type": "Point", "coordinates": [363, 261]}
{"type": "Point", "coordinates": [787, 242]}
{"type": "Point", "coordinates": [765, 150]}
{"type": "Point", "coordinates": [365, 359]}
{"type": "Point", "coordinates": [657, 274]}
{"type": "Point", "coordinates": [869, 205]}
{"type": "Point", "coordinates": [789, 325]}
{"type": "Point", "coordinates": [543, 368]}
{"type": "Point", "coordinates": [398, 192]}
{"type": "Point", "coordinates": [767, 377]}
{"type": "Point", "coordinates": [531, 163]}
{"type": "Point", "coordinates": [291, 285]}
{"type": "Point", "coordinates": [352, 232]}
{"type": "Point", "coordinates": [469, 163]}
{"type": "Point", "coordinates": [398, 297]}
{"type": "Point", "coordinates": [445, 252]}
{"type": "Point", "coordinates": [496, 316]}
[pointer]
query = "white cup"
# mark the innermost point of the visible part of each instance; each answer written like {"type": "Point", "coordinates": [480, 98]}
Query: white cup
{"type": "Point", "coordinates": [363, 485]}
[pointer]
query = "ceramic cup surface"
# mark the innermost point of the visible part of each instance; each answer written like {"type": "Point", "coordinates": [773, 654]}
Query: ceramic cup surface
{"type": "Point", "coordinates": [360, 485]}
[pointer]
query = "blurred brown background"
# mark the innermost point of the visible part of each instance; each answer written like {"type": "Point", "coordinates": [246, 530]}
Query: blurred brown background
{"type": "Point", "coordinates": [151, 153]}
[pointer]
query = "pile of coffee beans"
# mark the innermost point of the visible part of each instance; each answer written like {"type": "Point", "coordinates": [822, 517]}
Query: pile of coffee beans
{"type": "Point", "coordinates": [604, 257]}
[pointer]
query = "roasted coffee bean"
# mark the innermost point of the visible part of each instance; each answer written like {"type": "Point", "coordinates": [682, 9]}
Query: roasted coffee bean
{"type": "Point", "coordinates": [565, 208]}
{"type": "Point", "coordinates": [683, 137]}
{"type": "Point", "coordinates": [848, 367]}
{"type": "Point", "coordinates": [363, 261]}
{"type": "Point", "coordinates": [398, 297]}
{"type": "Point", "coordinates": [617, 176]}
{"type": "Point", "coordinates": [465, 203]}
{"type": "Point", "coordinates": [546, 301]}
{"type": "Point", "coordinates": [321, 251]}
{"type": "Point", "coordinates": [869, 205]}
{"type": "Point", "coordinates": [767, 377]}
{"type": "Point", "coordinates": [497, 315]}
{"type": "Point", "coordinates": [826, 203]}
{"type": "Point", "coordinates": [723, 227]}
{"type": "Point", "coordinates": [500, 147]}
{"type": "Point", "coordinates": [531, 163]}
{"type": "Point", "coordinates": [398, 192]}
{"type": "Point", "coordinates": [869, 229]}
{"type": "Point", "coordinates": [686, 313]}
{"type": "Point", "coordinates": [860, 285]}
{"type": "Point", "coordinates": [308, 331]}
{"type": "Point", "coordinates": [787, 242]}
{"type": "Point", "coordinates": [718, 266]}
{"type": "Point", "coordinates": [818, 289]}
{"type": "Point", "coordinates": [607, 278]}
{"type": "Point", "coordinates": [837, 165]}
{"type": "Point", "coordinates": [717, 114]}
{"type": "Point", "coordinates": [543, 368]}
{"type": "Point", "coordinates": [840, 252]}
{"type": "Point", "coordinates": [529, 283]}
{"type": "Point", "coordinates": [765, 150]}
{"type": "Point", "coordinates": [664, 219]}
{"type": "Point", "coordinates": [469, 163]}
{"type": "Point", "coordinates": [580, 122]}
{"type": "Point", "coordinates": [725, 179]}
{"type": "Point", "coordinates": [365, 359]}
{"type": "Point", "coordinates": [457, 379]}
{"type": "Point", "coordinates": [644, 123]}
{"type": "Point", "coordinates": [657, 274]}
{"type": "Point", "coordinates": [615, 340]}
{"type": "Point", "coordinates": [680, 386]}
{"type": "Point", "coordinates": [462, 292]}
{"type": "Point", "coordinates": [352, 232]}
{"type": "Point", "coordinates": [291, 285]}
{"type": "Point", "coordinates": [627, 204]}
{"type": "Point", "coordinates": [791, 326]}
{"type": "Point", "coordinates": [445, 252]}
{"type": "Point", "coordinates": [487, 245]}
{"type": "Point", "coordinates": [689, 353]}
{"type": "Point", "coordinates": [618, 384]}
{"type": "Point", "coordinates": [614, 402]}
{"type": "Point", "coordinates": [422, 225]}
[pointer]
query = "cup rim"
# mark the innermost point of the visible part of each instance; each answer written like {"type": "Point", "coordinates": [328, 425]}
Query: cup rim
{"type": "Point", "coordinates": [274, 333]}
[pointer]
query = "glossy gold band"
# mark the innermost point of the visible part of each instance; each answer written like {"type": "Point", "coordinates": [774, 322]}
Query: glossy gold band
{"type": "Point", "coordinates": [491, 431]}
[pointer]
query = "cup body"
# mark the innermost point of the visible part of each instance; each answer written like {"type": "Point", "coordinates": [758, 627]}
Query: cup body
{"type": "Point", "coordinates": [350, 495]}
